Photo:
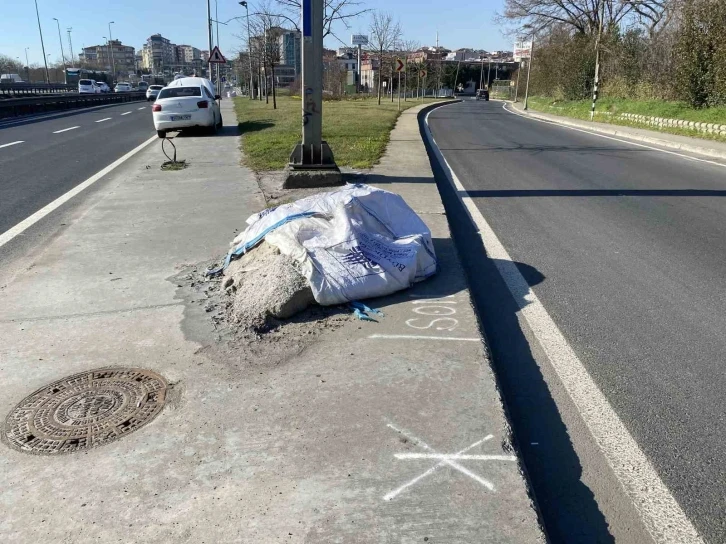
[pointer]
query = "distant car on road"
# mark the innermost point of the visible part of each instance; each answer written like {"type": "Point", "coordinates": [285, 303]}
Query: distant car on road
{"type": "Point", "coordinates": [102, 87]}
{"type": "Point", "coordinates": [11, 78]}
{"type": "Point", "coordinates": [87, 86]}
{"type": "Point", "coordinates": [184, 103]}
{"type": "Point", "coordinates": [153, 91]}
{"type": "Point", "coordinates": [143, 86]}
{"type": "Point", "coordinates": [482, 94]}
{"type": "Point", "coordinates": [122, 87]}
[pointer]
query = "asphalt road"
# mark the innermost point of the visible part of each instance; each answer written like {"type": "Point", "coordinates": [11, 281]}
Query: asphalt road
{"type": "Point", "coordinates": [625, 248]}
{"type": "Point", "coordinates": [48, 163]}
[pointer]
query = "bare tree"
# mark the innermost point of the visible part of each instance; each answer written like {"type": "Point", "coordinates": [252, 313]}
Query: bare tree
{"type": "Point", "coordinates": [584, 15]}
{"type": "Point", "coordinates": [335, 11]}
{"type": "Point", "coordinates": [385, 33]}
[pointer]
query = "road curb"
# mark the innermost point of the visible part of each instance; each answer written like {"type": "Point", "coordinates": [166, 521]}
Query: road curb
{"type": "Point", "coordinates": [699, 150]}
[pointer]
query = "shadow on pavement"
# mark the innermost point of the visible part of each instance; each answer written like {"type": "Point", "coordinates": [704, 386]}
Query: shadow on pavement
{"type": "Point", "coordinates": [568, 507]}
{"type": "Point", "coordinates": [516, 193]}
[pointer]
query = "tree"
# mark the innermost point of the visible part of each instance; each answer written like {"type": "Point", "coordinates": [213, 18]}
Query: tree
{"type": "Point", "coordinates": [9, 65]}
{"type": "Point", "coordinates": [385, 33]}
{"type": "Point", "coordinates": [584, 15]}
{"type": "Point", "coordinates": [335, 10]}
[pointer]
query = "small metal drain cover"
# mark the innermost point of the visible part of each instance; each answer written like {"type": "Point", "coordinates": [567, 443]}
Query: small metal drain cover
{"type": "Point", "coordinates": [85, 410]}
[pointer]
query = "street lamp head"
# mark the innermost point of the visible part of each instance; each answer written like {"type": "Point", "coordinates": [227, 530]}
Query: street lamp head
{"type": "Point", "coordinates": [55, 18]}
{"type": "Point", "coordinates": [243, 3]}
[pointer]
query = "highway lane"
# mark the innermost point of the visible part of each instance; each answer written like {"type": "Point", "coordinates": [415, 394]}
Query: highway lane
{"type": "Point", "coordinates": [56, 154]}
{"type": "Point", "coordinates": [627, 248]}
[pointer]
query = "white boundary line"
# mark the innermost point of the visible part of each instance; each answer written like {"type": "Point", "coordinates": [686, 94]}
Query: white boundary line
{"type": "Point", "coordinates": [102, 120]}
{"type": "Point", "coordinates": [661, 514]}
{"type": "Point", "coordinates": [66, 129]}
{"type": "Point", "coordinates": [12, 143]}
{"type": "Point", "coordinates": [8, 235]}
{"type": "Point", "coordinates": [599, 134]}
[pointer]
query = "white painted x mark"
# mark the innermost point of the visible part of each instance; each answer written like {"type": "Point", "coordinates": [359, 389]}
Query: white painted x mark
{"type": "Point", "coordinates": [450, 460]}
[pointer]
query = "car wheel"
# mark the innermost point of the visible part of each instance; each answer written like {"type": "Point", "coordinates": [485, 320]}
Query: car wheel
{"type": "Point", "coordinates": [161, 133]}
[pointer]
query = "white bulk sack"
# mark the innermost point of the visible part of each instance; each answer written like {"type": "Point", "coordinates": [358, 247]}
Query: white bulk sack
{"type": "Point", "coordinates": [354, 243]}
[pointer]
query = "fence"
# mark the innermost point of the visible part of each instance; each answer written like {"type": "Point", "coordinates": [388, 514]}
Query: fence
{"type": "Point", "coordinates": [16, 107]}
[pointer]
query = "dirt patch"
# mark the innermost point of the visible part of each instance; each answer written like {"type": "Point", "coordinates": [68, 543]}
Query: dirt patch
{"type": "Point", "coordinates": [270, 184]}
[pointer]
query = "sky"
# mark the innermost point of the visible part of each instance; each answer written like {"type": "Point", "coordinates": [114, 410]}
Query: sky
{"type": "Point", "coordinates": [462, 24]}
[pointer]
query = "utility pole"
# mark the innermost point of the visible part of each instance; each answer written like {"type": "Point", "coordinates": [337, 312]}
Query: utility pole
{"type": "Point", "coordinates": [209, 38]}
{"type": "Point", "coordinates": [216, 18]}
{"type": "Point", "coordinates": [249, 47]}
{"type": "Point", "coordinates": [597, 63]}
{"type": "Point", "coordinates": [63, 55]}
{"type": "Point", "coordinates": [42, 45]}
{"type": "Point", "coordinates": [110, 48]}
{"type": "Point", "coordinates": [311, 162]}
{"type": "Point", "coordinates": [529, 71]}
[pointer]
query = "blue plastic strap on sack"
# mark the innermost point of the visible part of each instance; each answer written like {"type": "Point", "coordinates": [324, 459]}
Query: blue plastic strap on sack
{"type": "Point", "coordinates": [360, 306]}
{"type": "Point", "coordinates": [256, 240]}
{"type": "Point", "coordinates": [360, 315]}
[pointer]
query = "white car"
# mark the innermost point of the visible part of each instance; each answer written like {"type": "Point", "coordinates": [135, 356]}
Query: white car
{"type": "Point", "coordinates": [122, 88]}
{"type": "Point", "coordinates": [153, 91]}
{"type": "Point", "coordinates": [184, 103]}
{"type": "Point", "coordinates": [87, 86]}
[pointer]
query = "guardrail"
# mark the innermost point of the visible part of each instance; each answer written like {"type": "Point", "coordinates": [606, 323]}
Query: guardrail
{"type": "Point", "coordinates": [16, 107]}
{"type": "Point", "coordinates": [11, 90]}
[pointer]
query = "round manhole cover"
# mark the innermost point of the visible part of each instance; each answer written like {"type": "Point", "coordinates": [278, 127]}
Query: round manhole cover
{"type": "Point", "coordinates": [85, 410]}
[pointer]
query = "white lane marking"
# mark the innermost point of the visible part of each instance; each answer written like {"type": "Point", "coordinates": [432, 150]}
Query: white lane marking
{"type": "Point", "coordinates": [417, 337]}
{"type": "Point", "coordinates": [455, 456]}
{"type": "Point", "coordinates": [66, 129]}
{"type": "Point", "coordinates": [12, 143]}
{"type": "Point", "coordinates": [102, 120]}
{"type": "Point", "coordinates": [661, 514]}
{"type": "Point", "coordinates": [595, 133]}
{"type": "Point", "coordinates": [8, 235]}
{"type": "Point", "coordinates": [451, 463]}
{"type": "Point", "coordinates": [126, 113]}
{"type": "Point", "coordinates": [143, 108]}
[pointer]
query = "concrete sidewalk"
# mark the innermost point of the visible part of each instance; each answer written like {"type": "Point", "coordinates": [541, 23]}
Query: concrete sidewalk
{"type": "Point", "coordinates": [348, 440]}
{"type": "Point", "coordinates": [698, 146]}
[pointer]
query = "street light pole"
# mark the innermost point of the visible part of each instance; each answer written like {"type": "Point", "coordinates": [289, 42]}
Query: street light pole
{"type": "Point", "coordinates": [529, 71]}
{"type": "Point", "coordinates": [70, 45]}
{"type": "Point", "coordinates": [27, 65]}
{"type": "Point", "coordinates": [209, 38]}
{"type": "Point", "coordinates": [110, 48]}
{"type": "Point", "coordinates": [249, 46]}
{"type": "Point", "coordinates": [216, 18]}
{"type": "Point", "coordinates": [42, 45]}
{"type": "Point", "coordinates": [63, 55]}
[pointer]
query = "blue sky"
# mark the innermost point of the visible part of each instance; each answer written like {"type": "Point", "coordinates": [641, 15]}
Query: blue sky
{"type": "Point", "coordinates": [463, 24]}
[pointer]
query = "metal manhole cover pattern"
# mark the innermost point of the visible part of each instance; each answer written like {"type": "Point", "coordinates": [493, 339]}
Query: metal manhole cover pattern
{"type": "Point", "coordinates": [85, 410]}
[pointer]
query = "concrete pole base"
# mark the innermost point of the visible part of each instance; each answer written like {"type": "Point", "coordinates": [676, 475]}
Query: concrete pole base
{"type": "Point", "coordinates": [312, 166]}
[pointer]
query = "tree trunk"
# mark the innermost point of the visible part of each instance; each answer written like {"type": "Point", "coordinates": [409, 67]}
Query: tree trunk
{"type": "Point", "coordinates": [380, 74]}
{"type": "Point", "coordinates": [274, 94]}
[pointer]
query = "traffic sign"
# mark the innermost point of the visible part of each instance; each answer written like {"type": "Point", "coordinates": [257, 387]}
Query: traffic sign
{"type": "Point", "coordinates": [422, 73]}
{"type": "Point", "coordinates": [400, 65]}
{"type": "Point", "coordinates": [216, 57]}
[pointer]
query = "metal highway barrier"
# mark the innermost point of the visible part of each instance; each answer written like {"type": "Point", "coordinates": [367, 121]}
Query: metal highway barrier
{"type": "Point", "coordinates": [17, 107]}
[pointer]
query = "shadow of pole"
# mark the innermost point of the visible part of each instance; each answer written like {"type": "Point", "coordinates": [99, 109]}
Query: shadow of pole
{"type": "Point", "coordinates": [568, 509]}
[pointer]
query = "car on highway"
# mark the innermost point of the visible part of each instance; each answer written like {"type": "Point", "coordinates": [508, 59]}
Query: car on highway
{"type": "Point", "coordinates": [185, 103]}
{"type": "Point", "coordinates": [482, 94]}
{"type": "Point", "coordinates": [153, 91]}
{"type": "Point", "coordinates": [102, 87]}
{"type": "Point", "coordinates": [87, 86]}
{"type": "Point", "coordinates": [11, 78]}
{"type": "Point", "coordinates": [143, 86]}
{"type": "Point", "coordinates": [122, 87]}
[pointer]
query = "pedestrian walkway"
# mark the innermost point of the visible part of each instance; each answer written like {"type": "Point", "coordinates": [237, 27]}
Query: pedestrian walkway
{"type": "Point", "coordinates": [388, 431]}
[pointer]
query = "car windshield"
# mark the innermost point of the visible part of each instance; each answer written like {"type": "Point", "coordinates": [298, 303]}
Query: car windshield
{"type": "Point", "coordinates": [85, 82]}
{"type": "Point", "coordinates": [178, 92]}
{"type": "Point", "coordinates": [156, 87]}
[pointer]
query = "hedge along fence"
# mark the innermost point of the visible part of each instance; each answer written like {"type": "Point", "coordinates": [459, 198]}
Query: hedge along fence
{"type": "Point", "coordinates": [707, 128]}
